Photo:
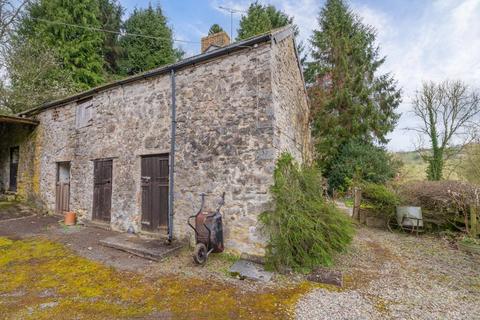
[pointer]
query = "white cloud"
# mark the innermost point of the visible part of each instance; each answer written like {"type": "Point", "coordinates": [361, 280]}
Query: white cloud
{"type": "Point", "coordinates": [443, 44]}
{"type": "Point", "coordinates": [438, 40]}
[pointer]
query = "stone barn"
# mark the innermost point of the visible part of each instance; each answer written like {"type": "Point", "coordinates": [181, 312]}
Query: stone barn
{"type": "Point", "coordinates": [136, 154]}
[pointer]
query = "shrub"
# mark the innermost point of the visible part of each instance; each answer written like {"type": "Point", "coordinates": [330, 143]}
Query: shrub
{"type": "Point", "coordinates": [304, 229]}
{"type": "Point", "coordinates": [444, 203]}
{"type": "Point", "coordinates": [363, 162]}
{"type": "Point", "coordinates": [469, 164]}
{"type": "Point", "coordinates": [379, 198]}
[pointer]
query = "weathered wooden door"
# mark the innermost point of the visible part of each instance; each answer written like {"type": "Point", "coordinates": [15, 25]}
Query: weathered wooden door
{"type": "Point", "coordinates": [14, 158]}
{"type": "Point", "coordinates": [102, 189]}
{"type": "Point", "coordinates": [62, 199]}
{"type": "Point", "coordinates": [154, 182]}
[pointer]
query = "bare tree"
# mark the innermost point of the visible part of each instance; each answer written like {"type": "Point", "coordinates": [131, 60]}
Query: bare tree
{"type": "Point", "coordinates": [9, 11]}
{"type": "Point", "coordinates": [447, 112]}
{"type": "Point", "coordinates": [36, 75]}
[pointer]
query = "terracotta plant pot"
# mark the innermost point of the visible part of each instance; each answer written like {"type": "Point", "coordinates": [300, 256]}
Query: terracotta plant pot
{"type": "Point", "coordinates": [70, 218]}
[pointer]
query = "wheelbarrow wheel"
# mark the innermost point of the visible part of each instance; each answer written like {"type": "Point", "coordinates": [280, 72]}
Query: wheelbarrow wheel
{"type": "Point", "coordinates": [200, 253]}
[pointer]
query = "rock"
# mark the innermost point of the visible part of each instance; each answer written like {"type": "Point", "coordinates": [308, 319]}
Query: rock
{"type": "Point", "coordinates": [327, 276]}
{"type": "Point", "coordinates": [47, 293]}
{"type": "Point", "coordinates": [48, 305]}
{"type": "Point", "coordinates": [250, 270]}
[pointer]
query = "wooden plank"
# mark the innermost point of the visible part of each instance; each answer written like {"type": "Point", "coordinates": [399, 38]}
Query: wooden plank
{"type": "Point", "coordinates": [154, 182]}
{"type": "Point", "coordinates": [357, 200]}
{"type": "Point", "coordinates": [102, 190]}
{"type": "Point", "coordinates": [17, 120]}
{"type": "Point", "coordinates": [474, 227]}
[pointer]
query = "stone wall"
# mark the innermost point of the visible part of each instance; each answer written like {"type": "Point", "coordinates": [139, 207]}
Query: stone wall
{"type": "Point", "coordinates": [235, 114]}
{"type": "Point", "coordinates": [224, 144]}
{"type": "Point", "coordinates": [128, 122]}
{"type": "Point", "coordinates": [224, 141]}
{"type": "Point", "coordinates": [290, 101]}
{"type": "Point", "coordinates": [22, 136]}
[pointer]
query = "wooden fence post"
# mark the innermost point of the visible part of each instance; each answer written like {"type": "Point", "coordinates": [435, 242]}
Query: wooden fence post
{"type": "Point", "coordinates": [474, 227]}
{"type": "Point", "coordinates": [357, 199]}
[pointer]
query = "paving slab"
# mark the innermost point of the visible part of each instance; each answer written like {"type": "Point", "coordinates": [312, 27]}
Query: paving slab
{"type": "Point", "coordinates": [152, 249]}
{"type": "Point", "coordinates": [250, 270]}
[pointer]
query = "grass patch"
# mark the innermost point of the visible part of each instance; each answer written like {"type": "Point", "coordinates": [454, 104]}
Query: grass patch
{"type": "Point", "coordinates": [7, 204]}
{"type": "Point", "coordinates": [40, 279]}
{"type": "Point", "coordinates": [221, 262]}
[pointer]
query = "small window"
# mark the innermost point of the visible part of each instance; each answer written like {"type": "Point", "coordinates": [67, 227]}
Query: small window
{"type": "Point", "coordinates": [84, 113]}
{"type": "Point", "coordinates": [63, 172]}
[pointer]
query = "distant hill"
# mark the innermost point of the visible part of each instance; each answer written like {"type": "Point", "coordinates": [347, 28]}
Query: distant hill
{"type": "Point", "coordinates": [414, 167]}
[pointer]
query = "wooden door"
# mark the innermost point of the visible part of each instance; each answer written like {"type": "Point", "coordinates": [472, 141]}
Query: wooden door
{"type": "Point", "coordinates": [102, 190]}
{"type": "Point", "coordinates": [154, 181]}
{"type": "Point", "coordinates": [62, 198]}
{"type": "Point", "coordinates": [14, 158]}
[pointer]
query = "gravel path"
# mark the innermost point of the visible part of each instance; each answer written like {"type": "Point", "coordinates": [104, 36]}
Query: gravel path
{"type": "Point", "coordinates": [399, 276]}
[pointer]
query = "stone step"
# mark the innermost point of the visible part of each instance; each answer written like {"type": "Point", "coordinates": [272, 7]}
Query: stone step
{"type": "Point", "coordinates": [152, 249]}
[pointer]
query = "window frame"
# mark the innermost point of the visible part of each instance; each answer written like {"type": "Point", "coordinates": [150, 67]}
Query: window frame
{"type": "Point", "coordinates": [84, 113]}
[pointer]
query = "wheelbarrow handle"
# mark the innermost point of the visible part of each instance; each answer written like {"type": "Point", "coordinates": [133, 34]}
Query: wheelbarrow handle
{"type": "Point", "coordinates": [191, 226]}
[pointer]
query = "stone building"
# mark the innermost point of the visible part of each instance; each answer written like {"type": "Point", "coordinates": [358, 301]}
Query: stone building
{"type": "Point", "coordinates": [135, 154]}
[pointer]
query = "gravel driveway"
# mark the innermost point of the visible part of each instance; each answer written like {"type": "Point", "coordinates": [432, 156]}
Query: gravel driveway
{"type": "Point", "coordinates": [399, 276]}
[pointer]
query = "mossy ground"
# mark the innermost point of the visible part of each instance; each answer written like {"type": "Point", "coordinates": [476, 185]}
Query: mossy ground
{"type": "Point", "coordinates": [41, 279]}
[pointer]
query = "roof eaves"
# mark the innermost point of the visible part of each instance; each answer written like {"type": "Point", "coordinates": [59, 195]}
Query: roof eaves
{"type": "Point", "coordinates": [17, 120]}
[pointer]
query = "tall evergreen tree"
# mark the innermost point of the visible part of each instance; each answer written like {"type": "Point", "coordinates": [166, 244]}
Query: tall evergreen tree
{"type": "Point", "coordinates": [349, 99]}
{"type": "Point", "coordinates": [260, 19]}
{"type": "Point", "coordinates": [79, 49]}
{"type": "Point", "coordinates": [141, 54]}
{"type": "Point", "coordinates": [215, 28]}
{"type": "Point", "coordinates": [111, 19]}
{"type": "Point", "coordinates": [255, 22]}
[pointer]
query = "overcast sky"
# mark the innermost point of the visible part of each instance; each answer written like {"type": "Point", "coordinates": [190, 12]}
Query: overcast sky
{"type": "Point", "coordinates": [422, 39]}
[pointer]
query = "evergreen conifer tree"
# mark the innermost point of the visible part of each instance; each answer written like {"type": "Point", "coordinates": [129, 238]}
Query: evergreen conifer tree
{"type": "Point", "coordinates": [79, 49]}
{"type": "Point", "coordinates": [260, 19]}
{"type": "Point", "coordinates": [141, 54]}
{"type": "Point", "coordinates": [215, 28]}
{"type": "Point", "coordinates": [111, 19]}
{"type": "Point", "coordinates": [350, 100]}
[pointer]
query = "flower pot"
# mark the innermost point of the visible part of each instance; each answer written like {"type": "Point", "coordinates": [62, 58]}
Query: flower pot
{"type": "Point", "coordinates": [70, 218]}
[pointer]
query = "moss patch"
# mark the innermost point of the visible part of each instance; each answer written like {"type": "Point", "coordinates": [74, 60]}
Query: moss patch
{"type": "Point", "coordinates": [40, 279]}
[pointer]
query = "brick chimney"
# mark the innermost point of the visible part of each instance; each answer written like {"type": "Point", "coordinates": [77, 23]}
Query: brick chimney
{"type": "Point", "coordinates": [214, 41]}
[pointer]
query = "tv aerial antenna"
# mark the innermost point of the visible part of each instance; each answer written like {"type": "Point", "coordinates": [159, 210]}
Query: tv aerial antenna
{"type": "Point", "coordinates": [231, 11]}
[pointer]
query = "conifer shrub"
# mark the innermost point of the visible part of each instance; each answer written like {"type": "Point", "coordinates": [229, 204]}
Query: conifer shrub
{"type": "Point", "coordinates": [304, 229]}
{"type": "Point", "coordinates": [379, 198]}
{"type": "Point", "coordinates": [365, 162]}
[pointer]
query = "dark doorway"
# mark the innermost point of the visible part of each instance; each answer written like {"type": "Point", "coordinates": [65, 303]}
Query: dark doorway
{"type": "Point", "coordinates": [102, 189]}
{"type": "Point", "coordinates": [62, 197]}
{"type": "Point", "coordinates": [14, 158]}
{"type": "Point", "coordinates": [154, 181]}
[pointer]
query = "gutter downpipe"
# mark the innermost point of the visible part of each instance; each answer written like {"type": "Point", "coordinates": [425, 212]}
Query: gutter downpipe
{"type": "Point", "coordinates": [171, 170]}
